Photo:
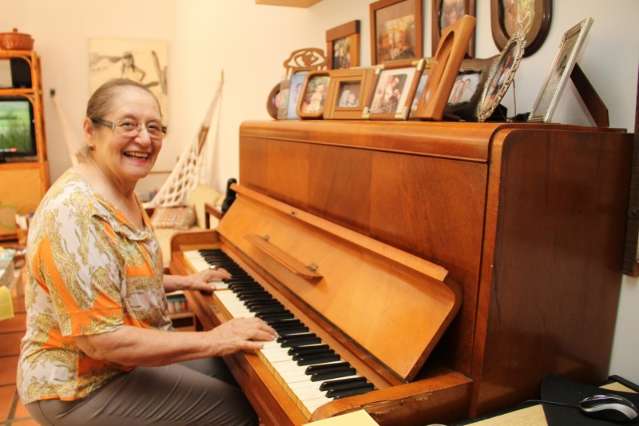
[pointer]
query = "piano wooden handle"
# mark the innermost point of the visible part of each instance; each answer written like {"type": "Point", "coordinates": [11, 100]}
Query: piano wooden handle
{"type": "Point", "coordinates": [308, 272]}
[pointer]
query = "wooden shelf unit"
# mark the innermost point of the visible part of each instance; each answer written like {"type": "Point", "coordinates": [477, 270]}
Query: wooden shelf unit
{"type": "Point", "coordinates": [24, 183]}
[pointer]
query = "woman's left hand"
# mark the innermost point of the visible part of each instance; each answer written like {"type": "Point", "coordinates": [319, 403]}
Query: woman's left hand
{"type": "Point", "coordinates": [204, 280]}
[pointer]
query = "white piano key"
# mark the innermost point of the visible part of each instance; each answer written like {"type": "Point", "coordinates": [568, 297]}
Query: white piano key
{"type": "Point", "coordinates": [313, 404]}
{"type": "Point", "coordinates": [294, 375]}
{"type": "Point", "coordinates": [196, 260]}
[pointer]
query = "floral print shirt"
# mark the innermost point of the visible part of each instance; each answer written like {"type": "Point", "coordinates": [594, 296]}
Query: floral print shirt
{"type": "Point", "coordinates": [90, 272]}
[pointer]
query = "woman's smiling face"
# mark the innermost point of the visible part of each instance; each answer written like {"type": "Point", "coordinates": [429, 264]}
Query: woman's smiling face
{"type": "Point", "coordinates": [127, 156]}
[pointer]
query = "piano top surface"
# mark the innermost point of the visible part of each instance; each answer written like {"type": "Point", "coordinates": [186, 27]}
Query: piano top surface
{"type": "Point", "coordinates": [466, 141]}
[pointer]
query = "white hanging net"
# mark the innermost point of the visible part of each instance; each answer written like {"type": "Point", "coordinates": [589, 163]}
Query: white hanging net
{"type": "Point", "coordinates": [185, 175]}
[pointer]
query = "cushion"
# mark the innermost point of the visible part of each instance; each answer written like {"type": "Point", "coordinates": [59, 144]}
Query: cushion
{"type": "Point", "coordinates": [182, 217]}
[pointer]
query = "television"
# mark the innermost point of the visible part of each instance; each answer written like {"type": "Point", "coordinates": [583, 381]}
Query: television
{"type": "Point", "coordinates": [17, 132]}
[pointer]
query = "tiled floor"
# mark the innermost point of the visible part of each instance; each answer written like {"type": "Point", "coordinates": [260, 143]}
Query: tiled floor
{"type": "Point", "coordinates": [12, 412]}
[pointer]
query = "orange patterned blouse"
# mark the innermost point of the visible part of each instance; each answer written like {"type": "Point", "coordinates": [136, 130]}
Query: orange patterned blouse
{"type": "Point", "coordinates": [90, 271]}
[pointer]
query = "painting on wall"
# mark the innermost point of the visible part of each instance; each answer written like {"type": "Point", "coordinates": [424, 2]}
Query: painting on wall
{"type": "Point", "coordinates": [144, 61]}
{"type": "Point", "coordinates": [532, 17]}
{"type": "Point", "coordinates": [396, 30]}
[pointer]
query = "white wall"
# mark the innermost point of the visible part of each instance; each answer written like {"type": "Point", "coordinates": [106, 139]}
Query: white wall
{"type": "Point", "coordinates": [61, 30]}
{"type": "Point", "coordinates": [250, 42]}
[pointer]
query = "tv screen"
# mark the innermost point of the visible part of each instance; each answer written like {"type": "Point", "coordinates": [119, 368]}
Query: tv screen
{"type": "Point", "coordinates": [16, 128]}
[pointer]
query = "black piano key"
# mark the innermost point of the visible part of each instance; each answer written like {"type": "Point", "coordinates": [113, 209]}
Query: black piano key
{"type": "Point", "coordinates": [308, 349]}
{"type": "Point", "coordinates": [275, 316]}
{"type": "Point", "coordinates": [315, 359]}
{"type": "Point", "coordinates": [298, 339]}
{"type": "Point", "coordinates": [320, 368]}
{"type": "Point", "coordinates": [261, 302]}
{"type": "Point", "coordinates": [332, 374]}
{"type": "Point", "coordinates": [315, 353]}
{"type": "Point", "coordinates": [268, 310]}
{"type": "Point", "coordinates": [291, 327]}
{"type": "Point", "coordinates": [341, 384]}
{"type": "Point", "coordinates": [285, 323]}
{"type": "Point", "coordinates": [337, 394]}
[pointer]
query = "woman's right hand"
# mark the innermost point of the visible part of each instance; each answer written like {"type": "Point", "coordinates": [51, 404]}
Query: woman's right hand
{"type": "Point", "coordinates": [240, 334]}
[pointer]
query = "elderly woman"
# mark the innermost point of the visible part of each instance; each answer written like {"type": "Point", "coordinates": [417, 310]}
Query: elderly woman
{"type": "Point", "coordinates": [99, 349]}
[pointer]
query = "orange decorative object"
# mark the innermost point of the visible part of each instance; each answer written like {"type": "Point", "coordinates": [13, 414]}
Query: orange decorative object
{"type": "Point", "coordinates": [16, 41]}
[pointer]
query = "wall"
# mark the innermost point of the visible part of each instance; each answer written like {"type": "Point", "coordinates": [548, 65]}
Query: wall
{"type": "Point", "coordinates": [61, 30]}
{"type": "Point", "coordinates": [249, 42]}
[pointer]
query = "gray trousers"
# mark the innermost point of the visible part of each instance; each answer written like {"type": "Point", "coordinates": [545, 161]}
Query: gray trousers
{"type": "Point", "coordinates": [200, 392]}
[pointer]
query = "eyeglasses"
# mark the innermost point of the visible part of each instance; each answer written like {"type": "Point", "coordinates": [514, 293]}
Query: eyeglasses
{"type": "Point", "coordinates": [130, 128]}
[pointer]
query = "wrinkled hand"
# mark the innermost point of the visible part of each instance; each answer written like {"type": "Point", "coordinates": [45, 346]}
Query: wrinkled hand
{"type": "Point", "coordinates": [203, 280]}
{"type": "Point", "coordinates": [241, 334]}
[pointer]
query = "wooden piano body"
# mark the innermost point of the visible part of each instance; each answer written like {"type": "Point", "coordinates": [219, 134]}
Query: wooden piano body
{"type": "Point", "coordinates": [527, 220]}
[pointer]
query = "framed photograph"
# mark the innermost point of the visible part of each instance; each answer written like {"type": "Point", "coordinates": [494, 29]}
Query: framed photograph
{"type": "Point", "coordinates": [569, 51]}
{"type": "Point", "coordinates": [445, 65]}
{"type": "Point", "coordinates": [282, 105]}
{"type": "Point", "coordinates": [397, 30]}
{"type": "Point", "coordinates": [348, 93]}
{"type": "Point", "coordinates": [343, 46]}
{"type": "Point", "coordinates": [273, 101]}
{"type": "Point", "coordinates": [447, 12]}
{"type": "Point", "coordinates": [296, 84]}
{"type": "Point", "coordinates": [532, 17]}
{"type": "Point", "coordinates": [394, 90]}
{"type": "Point", "coordinates": [500, 76]}
{"type": "Point", "coordinates": [466, 91]}
{"type": "Point", "coordinates": [313, 96]}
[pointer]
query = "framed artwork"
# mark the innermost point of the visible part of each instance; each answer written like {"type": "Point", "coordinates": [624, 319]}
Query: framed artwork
{"type": "Point", "coordinates": [273, 101]}
{"type": "Point", "coordinates": [397, 30]}
{"type": "Point", "coordinates": [144, 61]}
{"type": "Point", "coordinates": [466, 90]}
{"type": "Point", "coordinates": [394, 90]}
{"type": "Point", "coordinates": [569, 50]}
{"type": "Point", "coordinates": [282, 106]}
{"type": "Point", "coordinates": [313, 95]}
{"type": "Point", "coordinates": [343, 46]}
{"type": "Point", "coordinates": [500, 76]}
{"type": "Point", "coordinates": [348, 93]}
{"type": "Point", "coordinates": [447, 12]}
{"type": "Point", "coordinates": [532, 17]}
{"type": "Point", "coordinates": [296, 84]}
{"type": "Point", "coordinates": [445, 66]}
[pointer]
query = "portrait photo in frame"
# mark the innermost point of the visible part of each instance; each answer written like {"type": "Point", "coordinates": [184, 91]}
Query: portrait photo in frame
{"type": "Point", "coordinates": [282, 104]}
{"type": "Point", "coordinates": [397, 30]}
{"type": "Point", "coordinates": [296, 84]}
{"type": "Point", "coordinates": [447, 12]}
{"type": "Point", "coordinates": [570, 49]}
{"type": "Point", "coordinates": [531, 16]}
{"type": "Point", "coordinates": [343, 46]}
{"type": "Point", "coordinates": [312, 98]}
{"type": "Point", "coordinates": [394, 89]}
{"type": "Point", "coordinates": [348, 93]}
{"type": "Point", "coordinates": [466, 90]}
{"type": "Point", "coordinates": [500, 76]}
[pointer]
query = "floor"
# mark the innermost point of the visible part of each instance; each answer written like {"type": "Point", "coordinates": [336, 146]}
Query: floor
{"type": "Point", "coordinates": [12, 412]}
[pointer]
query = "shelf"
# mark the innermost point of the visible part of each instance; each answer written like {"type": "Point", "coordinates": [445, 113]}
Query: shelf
{"type": "Point", "coordinates": [180, 315]}
{"type": "Point", "coordinates": [288, 3]}
{"type": "Point", "coordinates": [8, 91]}
{"type": "Point", "coordinates": [16, 165]}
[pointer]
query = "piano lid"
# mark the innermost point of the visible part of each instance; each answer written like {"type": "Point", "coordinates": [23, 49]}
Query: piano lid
{"type": "Point", "coordinates": [393, 304]}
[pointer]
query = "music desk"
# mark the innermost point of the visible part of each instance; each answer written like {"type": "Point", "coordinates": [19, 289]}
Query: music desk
{"type": "Point", "coordinates": [533, 415]}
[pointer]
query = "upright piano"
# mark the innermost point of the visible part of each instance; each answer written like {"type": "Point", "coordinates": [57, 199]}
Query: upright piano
{"type": "Point", "coordinates": [424, 272]}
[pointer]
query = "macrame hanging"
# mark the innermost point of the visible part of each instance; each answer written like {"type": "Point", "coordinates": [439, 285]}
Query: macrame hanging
{"type": "Point", "coordinates": [186, 173]}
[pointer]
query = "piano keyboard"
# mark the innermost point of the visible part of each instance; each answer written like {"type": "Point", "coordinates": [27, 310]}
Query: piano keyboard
{"type": "Point", "coordinates": [313, 371]}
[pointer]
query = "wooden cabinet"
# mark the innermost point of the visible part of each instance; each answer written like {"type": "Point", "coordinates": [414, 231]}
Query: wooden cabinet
{"type": "Point", "coordinates": [23, 183]}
